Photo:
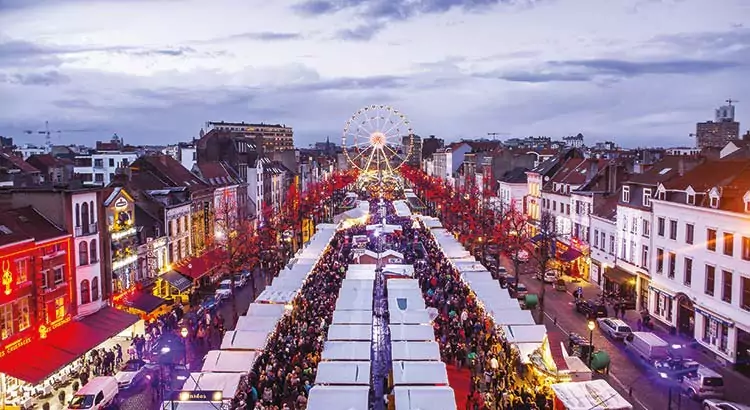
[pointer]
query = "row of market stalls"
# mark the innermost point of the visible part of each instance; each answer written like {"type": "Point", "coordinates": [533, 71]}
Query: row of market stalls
{"type": "Point", "coordinates": [402, 208]}
{"type": "Point", "coordinates": [547, 358]}
{"type": "Point", "coordinates": [226, 369]}
{"type": "Point", "coordinates": [355, 216]}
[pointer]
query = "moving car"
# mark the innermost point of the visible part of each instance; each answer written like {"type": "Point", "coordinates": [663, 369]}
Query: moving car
{"type": "Point", "coordinates": [131, 373]}
{"type": "Point", "coordinates": [99, 393]}
{"type": "Point", "coordinates": [703, 383]}
{"type": "Point", "coordinates": [714, 404]}
{"type": "Point", "coordinates": [550, 276]}
{"type": "Point", "coordinates": [208, 305]}
{"type": "Point", "coordinates": [614, 328]}
{"type": "Point", "coordinates": [591, 309]}
{"type": "Point", "coordinates": [224, 291]}
{"type": "Point", "coordinates": [239, 280]}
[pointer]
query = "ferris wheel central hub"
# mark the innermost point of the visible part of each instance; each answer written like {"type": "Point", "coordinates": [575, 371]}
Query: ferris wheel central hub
{"type": "Point", "coordinates": [378, 139]}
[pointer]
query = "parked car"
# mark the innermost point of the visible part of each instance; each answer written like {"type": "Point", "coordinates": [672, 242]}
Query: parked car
{"type": "Point", "coordinates": [550, 276]}
{"type": "Point", "coordinates": [519, 290]}
{"type": "Point", "coordinates": [714, 404]}
{"type": "Point", "coordinates": [239, 281]}
{"type": "Point", "coordinates": [224, 291]}
{"type": "Point", "coordinates": [614, 328]}
{"type": "Point", "coordinates": [591, 309]}
{"type": "Point", "coordinates": [703, 383]}
{"type": "Point", "coordinates": [207, 305]}
{"type": "Point", "coordinates": [132, 373]}
{"type": "Point", "coordinates": [99, 393]}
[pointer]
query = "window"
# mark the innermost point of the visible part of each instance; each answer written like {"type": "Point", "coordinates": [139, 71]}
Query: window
{"type": "Point", "coordinates": [59, 275]}
{"type": "Point", "coordinates": [662, 195]}
{"type": "Point", "coordinates": [91, 212]}
{"type": "Point", "coordinates": [672, 264]}
{"type": "Point", "coordinates": [24, 315]}
{"type": "Point", "coordinates": [623, 249]}
{"type": "Point", "coordinates": [714, 202]}
{"type": "Point", "coordinates": [98, 177]}
{"type": "Point", "coordinates": [646, 227]}
{"type": "Point", "coordinates": [95, 289]}
{"type": "Point", "coordinates": [646, 197]}
{"type": "Point", "coordinates": [660, 226]}
{"type": "Point", "coordinates": [673, 229]}
{"type": "Point", "coordinates": [60, 308]}
{"type": "Point", "coordinates": [710, 280]}
{"type": "Point", "coordinates": [687, 279]}
{"type": "Point", "coordinates": [567, 208]}
{"type": "Point", "coordinates": [626, 194]}
{"type": "Point", "coordinates": [596, 238]}
{"type": "Point", "coordinates": [22, 270]}
{"type": "Point", "coordinates": [745, 293]}
{"type": "Point", "coordinates": [728, 244]}
{"type": "Point", "coordinates": [83, 253]}
{"type": "Point", "coordinates": [691, 199]}
{"type": "Point", "coordinates": [711, 239]}
{"type": "Point", "coordinates": [111, 162]}
{"type": "Point", "coordinates": [746, 248]}
{"type": "Point", "coordinates": [98, 163]}
{"type": "Point", "coordinates": [93, 251]}
{"type": "Point", "coordinates": [689, 234]}
{"type": "Point", "coordinates": [611, 244]}
{"type": "Point", "coordinates": [644, 256]}
{"type": "Point", "coordinates": [78, 215]}
{"type": "Point", "coordinates": [659, 260]}
{"type": "Point", "coordinates": [85, 292]}
{"type": "Point", "coordinates": [726, 286]}
{"type": "Point", "coordinates": [6, 321]}
{"type": "Point", "coordinates": [706, 329]}
{"type": "Point", "coordinates": [45, 279]}
{"type": "Point", "coordinates": [634, 225]}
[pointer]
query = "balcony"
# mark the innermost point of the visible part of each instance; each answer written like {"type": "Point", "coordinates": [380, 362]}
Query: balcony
{"type": "Point", "coordinates": [90, 229]}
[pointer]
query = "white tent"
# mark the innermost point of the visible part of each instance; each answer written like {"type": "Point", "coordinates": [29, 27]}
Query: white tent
{"type": "Point", "coordinates": [346, 351]}
{"type": "Point", "coordinates": [397, 269]}
{"type": "Point", "coordinates": [412, 298]}
{"type": "Point", "coordinates": [361, 272]}
{"type": "Point", "coordinates": [388, 255]}
{"type": "Point", "coordinates": [350, 332]}
{"type": "Point", "coordinates": [279, 296]}
{"type": "Point", "coordinates": [402, 209]}
{"type": "Point", "coordinates": [357, 285]}
{"type": "Point", "coordinates": [359, 213]}
{"type": "Point", "coordinates": [468, 266]}
{"type": "Point", "coordinates": [343, 373]}
{"type": "Point", "coordinates": [525, 334]}
{"type": "Point", "coordinates": [409, 317]}
{"type": "Point", "coordinates": [227, 361]}
{"type": "Point", "coordinates": [416, 333]}
{"type": "Point", "coordinates": [227, 383]}
{"type": "Point", "coordinates": [590, 395]}
{"type": "Point", "coordinates": [265, 309]}
{"type": "Point", "coordinates": [402, 284]}
{"type": "Point", "coordinates": [384, 228]}
{"type": "Point", "coordinates": [256, 323]}
{"type": "Point", "coordinates": [512, 317]}
{"type": "Point", "coordinates": [245, 340]}
{"type": "Point", "coordinates": [348, 300]}
{"type": "Point", "coordinates": [352, 317]}
{"type": "Point", "coordinates": [424, 397]}
{"type": "Point", "coordinates": [415, 351]}
{"type": "Point", "coordinates": [477, 276]}
{"type": "Point", "coordinates": [339, 398]}
{"type": "Point", "coordinates": [431, 223]}
{"type": "Point", "coordinates": [419, 373]}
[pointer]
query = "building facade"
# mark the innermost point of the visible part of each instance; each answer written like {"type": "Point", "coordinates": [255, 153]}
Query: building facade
{"type": "Point", "coordinates": [122, 255]}
{"type": "Point", "coordinates": [273, 137]}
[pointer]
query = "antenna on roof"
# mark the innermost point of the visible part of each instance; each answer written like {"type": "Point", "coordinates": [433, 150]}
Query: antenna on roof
{"type": "Point", "coordinates": [730, 101]}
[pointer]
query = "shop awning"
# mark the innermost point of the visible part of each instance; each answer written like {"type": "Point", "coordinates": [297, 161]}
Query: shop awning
{"type": "Point", "coordinates": [570, 255]}
{"type": "Point", "coordinates": [180, 282]}
{"type": "Point", "coordinates": [41, 358]}
{"type": "Point", "coordinates": [144, 302]}
{"type": "Point", "coordinates": [618, 275]}
{"type": "Point", "coordinates": [199, 266]}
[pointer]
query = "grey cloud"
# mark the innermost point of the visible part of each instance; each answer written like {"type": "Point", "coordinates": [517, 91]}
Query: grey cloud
{"type": "Point", "coordinates": [733, 40]}
{"type": "Point", "coordinates": [73, 103]}
{"type": "Point", "coordinates": [541, 77]}
{"type": "Point", "coordinates": [350, 84]}
{"type": "Point", "coordinates": [631, 68]}
{"type": "Point", "coordinates": [47, 78]}
{"type": "Point", "coordinates": [256, 36]}
{"type": "Point", "coordinates": [362, 32]}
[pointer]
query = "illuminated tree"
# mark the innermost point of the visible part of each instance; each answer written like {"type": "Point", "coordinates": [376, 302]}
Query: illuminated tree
{"type": "Point", "coordinates": [513, 236]}
{"type": "Point", "coordinates": [545, 239]}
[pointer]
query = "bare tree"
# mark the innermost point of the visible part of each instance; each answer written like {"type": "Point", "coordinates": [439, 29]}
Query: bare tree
{"type": "Point", "coordinates": [545, 238]}
{"type": "Point", "coordinates": [514, 237]}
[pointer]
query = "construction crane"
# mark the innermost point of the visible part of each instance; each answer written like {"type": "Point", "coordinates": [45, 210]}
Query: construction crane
{"type": "Point", "coordinates": [730, 101]}
{"type": "Point", "coordinates": [48, 134]}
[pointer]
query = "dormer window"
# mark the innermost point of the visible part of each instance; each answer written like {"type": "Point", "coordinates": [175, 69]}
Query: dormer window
{"type": "Point", "coordinates": [690, 196]}
{"type": "Point", "coordinates": [714, 198]}
{"type": "Point", "coordinates": [626, 194]}
{"type": "Point", "coordinates": [746, 200]}
{"type": "Point", "coordinates": [646, 196]}
{"type": "Point", "coordinates": [714, 202]}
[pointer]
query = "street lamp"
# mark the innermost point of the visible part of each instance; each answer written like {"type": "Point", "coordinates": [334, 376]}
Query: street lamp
{"type": "Point", "coordinates": [591, 325]}
{"type": "Point", "coordinates": [184, 334]}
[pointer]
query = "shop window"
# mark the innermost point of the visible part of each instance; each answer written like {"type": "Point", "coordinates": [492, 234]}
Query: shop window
{"type": "Point", "coordinates": [85, 292]}
{"type": "Point", "coordinates": [22, 270]}
{"type": "Point", "coordinates": [726, 286]}
{"type": "Point", "coordinates": [60, 308]}
{"type": "Point", "coordinates": [83, 253]}
{"type": "Point", "coordinates": [706, 337]}
{"type": "Point", "coordinates": [59, 274]}
{"type": "Point", "coordinates": [93, 251]}
{"type": "Point", "coordinates": [728, 244]}
{"type": "Point", "coordinates": [710, 280]}
{"type": "Point", "coordinates": [711, 239]}
{"type": "Point", "coordinates": [724, 338]}
{"type": "Point", "coordinates": [94, 289]}
{"type": "Point", "coordinates": [24, 314]}
{"type": "Point", "coordinates": [6, 321]}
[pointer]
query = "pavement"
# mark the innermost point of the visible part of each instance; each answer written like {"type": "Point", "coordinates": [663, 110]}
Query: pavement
{"type": "Point", "coordinates": [626, 376]}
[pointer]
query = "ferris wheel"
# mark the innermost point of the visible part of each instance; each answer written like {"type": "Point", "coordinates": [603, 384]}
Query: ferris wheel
{"type": "Point", "coordinates": [377, 138]}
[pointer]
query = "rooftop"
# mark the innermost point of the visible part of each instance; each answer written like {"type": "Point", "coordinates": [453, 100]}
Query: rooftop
{"type": "Point", "coordinates": [26, 223]}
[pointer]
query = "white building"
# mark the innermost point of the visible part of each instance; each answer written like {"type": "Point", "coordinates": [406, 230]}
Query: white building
{"type": "Point", "coordinates": [88, 245]}
{"type": "Point", "coordinates": [99, 168]}
{"type": "Point", "coordinates": [186, 154]}
{"type": "Point", "coordinates": [27, 150]}
{"type": "Point", "coordinates": [701, 269]}
{"type": "Point", "coordinates": [512, 189]}
{"type": "Point", "coordinates": [178, 246]}
{"type": "Point", "coordinates": [603, 238]}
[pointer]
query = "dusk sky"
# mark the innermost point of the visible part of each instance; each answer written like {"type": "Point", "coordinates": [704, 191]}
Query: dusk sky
{"type": "Point", "coordinates": [639, 72]}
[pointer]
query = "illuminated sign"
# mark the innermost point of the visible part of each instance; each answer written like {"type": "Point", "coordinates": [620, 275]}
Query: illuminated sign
{"type": "Point", "coordinates": [198, 395]}
{"type": "Point", "coordinates": [15, 346]}
{"type": "Point", "coordinates": [43, 330]}
{"type": "Point", "coordinates": [121, 203]}
{"type": "Point", "coordinates": [7, 276]}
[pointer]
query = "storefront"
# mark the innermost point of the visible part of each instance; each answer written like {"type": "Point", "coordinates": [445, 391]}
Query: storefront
{"type": "Point", "coordinates": [139, 303]}
{"type": "Point", "coordinates": [574, 258]}
{"type": "Point", "coordinates": [203, 270]}
{"type": "Point", "coordinates": [173, 286]}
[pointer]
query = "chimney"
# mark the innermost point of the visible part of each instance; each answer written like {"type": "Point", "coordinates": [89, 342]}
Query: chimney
{"type": "Point", "coordinates": [611, 178]}
{"type": "Point", "coordinates": [681, 167]}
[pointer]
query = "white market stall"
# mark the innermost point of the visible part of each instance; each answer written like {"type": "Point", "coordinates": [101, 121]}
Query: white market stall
{"type": "Point", "coordinates": [402, 284]}
{"type": "Point", "coordinates": [361, 272]}
{"type": "Point", "coordinates": [384, 229]}
{"type": "Point", "coordinates": [400, 270]}
{"type": "Point", "coordinates": [352, 317]}
{"type": "Point", "coordinates": [477, 276]}
{"type": "Point", "coordinates": [401, 208]}
{"type": "Point", "coordinates": [356, 285]}
{"type": "Point", "coordinates": [349, 332]}
{"type": "Point", "coordinates": [431, 222]}
{"type": "Point", "coordinates": [412, 333]}
{"type": "Point", "coordinates": [525, 334]}
{"type": "Point", "coordinates": [256, 323]}
{"type": "Point", "coordinates": [424, 397]}
{"type": "Point", "coordinates": [588, 395]}
{"type": "Point", "coordinates": [265, 309]}
{"type": "Point", "coordinates": [343, 373]}
{"type": "Point", "coordinates": [511, 317]}
{"type": "Point", "coordinates": [277, 296]}
{"type": "Point", "coordinates": [354, 216]}
{"type": "Point", "coordinates": [409, 317]}
{"type": "Point", "coordinates": [430, 373]}
{"type": "Point", "coordinates": [360, 300]}
{"type": "Point", "coordinates": [405, 299]}
{"type": "Point", "coordinates": [338, 398]}
{"type": "Point", "coordinates": [415, 351]}
{"type": "Point", "coordinates": [227, 361]}
{"type": "Point", "coordinates": [227, 383]}
{"type": "Point", "coordinates": [346, 351]}
{"type": "Point", "coordinates": [468, 266]}
{"type": "Point", "coordinates": [245, 340]}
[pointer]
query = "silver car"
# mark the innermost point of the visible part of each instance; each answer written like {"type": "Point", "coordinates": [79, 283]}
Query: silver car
{"type": "Point", "coordinates": [614, 328]}
{"type": "Point", "coordinates": [714, 404]}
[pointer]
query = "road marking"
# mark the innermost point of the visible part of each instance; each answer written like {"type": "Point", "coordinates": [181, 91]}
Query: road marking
{"type": "Point", "coordinates": [611, 373]}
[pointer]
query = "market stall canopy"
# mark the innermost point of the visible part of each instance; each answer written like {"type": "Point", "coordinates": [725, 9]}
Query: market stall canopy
{"type": "Point", "coordinates": [468, 266]}
{"type": "Point", "coordinates": [338, 398]}
{"type": "Point", "coordinates": [477, 276]}
{"type": "Point", "coordinates": [525, 334]}
{"type": "Point", "coordinates": [511, 317]}
{"type": "Point", "coordinates": [361, 272]}
{"type": "Point", "coordinates": [227, 383]}
{"type": "Point", "coordinates": [430, 373]}
{"type": "Point", "coordinates": [343, 351]}
{"type": "Point", "coordinates": [350, 332]}
{"type": "Point", "coordinates": [402, 284]}
{"type": "Point", "coordinates": [224, 361]}
{"type": "Point", "coordinates": [589, 395]}
{"type": "Point", "coordinates": [177, 280]}
{"type": "Point", "coordinates": [265, 309]}
{"type": "Point", "coordinates": [359, 213]}
{"type": "Point", "coordinates": [386, 229]}
{"type": "Point", "coordinates": [415, 351]}
{"type": "Point", "coordinates": [343, 373]}
{"type": "Point", "coordinates": [424, 397]}
{"type": "Point", "coordinates": [355, 317]}
{"type": "Point", "coordinates": [397, 269]}
{"type": "Point", "coordinates": [402, 209]}
{"type": "Point", "coordinates": [357, 285]}
{"type": "Point", "coordinates": [410, 317]}
{"type": "Point", "coordinates": [361, 300]}
{"type": "Point", "coordinates": [245, 340]}
{"type": "Point", "coordinates": [143, 302]}
{"type": "Point", "coordinates": [405, 299]}
{"type": "Point", "coordinates": [431, 223]}
{"type": "Point", "coordinates": [256, 323]}
{"type": "Point", "coordinates": [279, 296]}
{"type": "Point", "coordinates": [415, 333]}
{"type": "Point", "coordinates": [197, 267]}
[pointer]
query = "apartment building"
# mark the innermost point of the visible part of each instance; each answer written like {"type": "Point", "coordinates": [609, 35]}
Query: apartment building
{"type": "Point", "coordinates": [272, 137]}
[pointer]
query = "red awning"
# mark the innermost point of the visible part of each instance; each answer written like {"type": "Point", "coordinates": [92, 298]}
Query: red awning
{"type": "Point", "coordinates": [570, 255]}
{"type": "Point", "coordinates": [199, 266]}
{"type": "Point", "coordinates": [41, 358]}
{"type": "Point", "coordinates": [556, 350]}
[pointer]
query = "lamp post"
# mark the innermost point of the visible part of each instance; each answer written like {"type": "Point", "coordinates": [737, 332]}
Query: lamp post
{"type": "Point", "coordinates": [591, 325]}
{"type": "Point", "coordinates": [184, 334]}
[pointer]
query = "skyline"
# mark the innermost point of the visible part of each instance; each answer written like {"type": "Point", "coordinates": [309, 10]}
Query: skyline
{"type": "Point", "coordinates": [633, 72]}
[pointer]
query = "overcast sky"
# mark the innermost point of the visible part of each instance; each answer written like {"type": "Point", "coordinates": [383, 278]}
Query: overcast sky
{"type": "Point", "coordinates": [640, 72]}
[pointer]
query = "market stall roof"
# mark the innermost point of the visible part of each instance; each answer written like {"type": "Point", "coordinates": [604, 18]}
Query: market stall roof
{"type": "Point", "coordinates": [256, 323]}
{"type": "Point", "coordinates": [266, 309]}
{"type": "Point", "coordinates": [189, 405]}
{"type": "Point", "coordinates": [245, 340]}
{"type": "Point", "coordinates": [361, 272]}
{"type": "Point", "coordinates": [350, 332]}
{"type": "Point", "coordinates": [590, 395]}
{"type": "Point", "coordinates": [405, 299]}
{"type": "Point", "coordinates": [424, 397]}
{"type": "Point", "coordinates": [396, 269]}
{"type": "Point", "coordinates": [402, 284]}
{"type": "Point", "coordinates": [511, 317]}
{"type": "Point", "coordinates": [343, 373]}
{"type": "Point", "coordinates": [227, 361]}
{"type": "Point", "coordinates": [227, 383]}
{"type": "Point", "coordinates": [431, 373]}
{"type": "Point", "coordinates": [198, 266]}
{"type": "Point", "coordinates": [273, 295]}
{"type": "Point", "coordinates": [176, 279]}
{"type": "Point", "coordinates": [477, 276]}
{"type": "Point", "coordinates": [416, 333]}
{"type": "Point", "coordinates": [343, 317]}
{"type": "Point", "coordinates": [431, 223]}
{"type": "Point", "coordinates": [343, 351]}
{"type": "Point", "coordinates": [357, 285]}
{"type": "Point", "coordinates": [360, 300]}
{"type": "Point", "coordinates": [328, 227]}
{"type": "Point", "coordinates": [386, 255]}
{"type": "Point", "coordinates": [402, 209]}
{"type": "Point", "coordinates": [525, 350]}
{"type": "Point", "coordinates": [415, 351]}
{"type": "Point", "coordinates": [384, 228]}
{"type": "Point", "coordinates": [468, 266]}
{"type": "Point", "coordinates": [409, 317]}
{"type": "Point", "coordinates": [525, 334]}
{"type": "Point", "coordinates": [338, 398]}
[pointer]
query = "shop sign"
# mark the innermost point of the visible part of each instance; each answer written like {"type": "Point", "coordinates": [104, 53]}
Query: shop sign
{"type": "Point", "coordinates": [45, 329]}
{"type": "Point", "coordinates": [198, 395]}
{"type": "Point", "coordinates": [12, 347]}
{"type": "Point", "coordinates": [7, 277]}
{"type": "Point", "coordinates": [121, 203]}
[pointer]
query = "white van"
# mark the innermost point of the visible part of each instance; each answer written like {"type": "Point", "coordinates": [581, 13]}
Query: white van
{"type": "Point", "coordinates": [647, 345]}
{"type": "Point", "coordinates": [703, 383]}
{"type": "Point", "coordinates": [97, 394]}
